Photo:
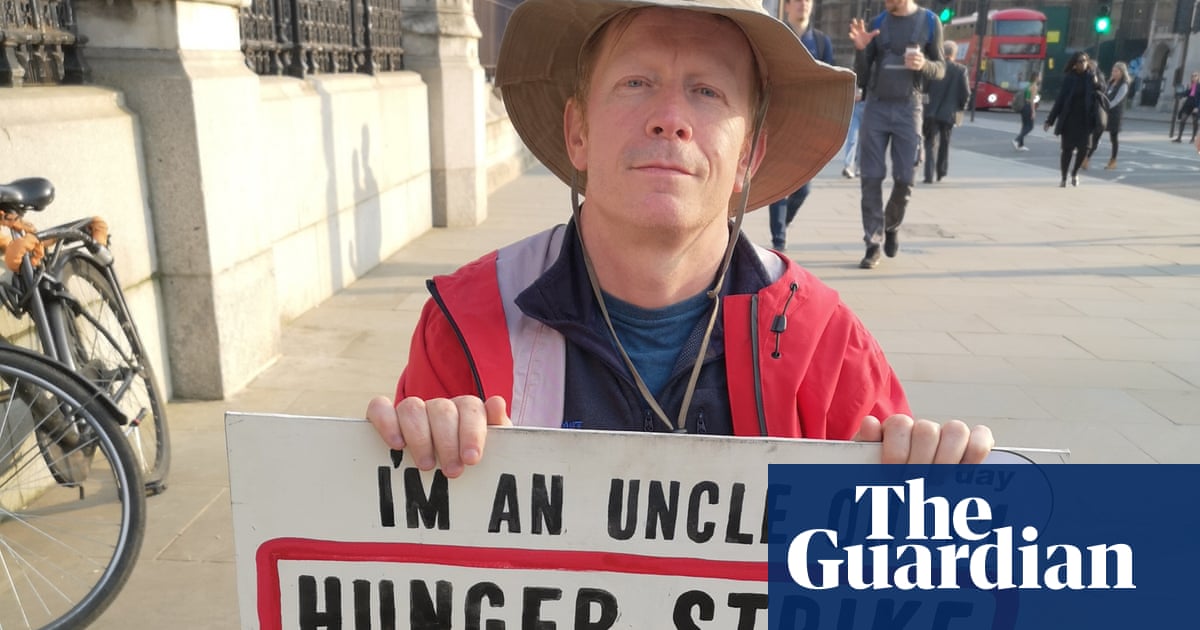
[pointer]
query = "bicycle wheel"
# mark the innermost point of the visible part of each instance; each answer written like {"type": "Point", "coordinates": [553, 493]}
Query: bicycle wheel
{"type": "Point", "coordinates": [66, 547]}
{"type": "Point", "coordinates": [108, 351]}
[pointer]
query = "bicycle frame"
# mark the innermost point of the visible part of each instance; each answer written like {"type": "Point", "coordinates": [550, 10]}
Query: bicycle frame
{"type": "Point", "coordinates": [41, 293]}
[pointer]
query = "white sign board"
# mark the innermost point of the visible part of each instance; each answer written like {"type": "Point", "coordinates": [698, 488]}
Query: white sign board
{"type": "Point", "coordinates": [580, 529]}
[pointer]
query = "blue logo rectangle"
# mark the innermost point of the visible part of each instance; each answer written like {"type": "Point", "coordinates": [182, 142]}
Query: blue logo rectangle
{"type": "Point", "coordinates": [1000, 547]}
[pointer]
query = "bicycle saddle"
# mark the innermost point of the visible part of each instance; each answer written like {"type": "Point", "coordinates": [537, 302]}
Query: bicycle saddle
{"type": "Point", "coordinates": [30, 193]}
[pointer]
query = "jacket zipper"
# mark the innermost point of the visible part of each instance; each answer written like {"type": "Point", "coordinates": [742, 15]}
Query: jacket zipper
{"type": "Point", "coordinates": [437, 298]}
{"type": "Point", "coordinates": [758, 392]}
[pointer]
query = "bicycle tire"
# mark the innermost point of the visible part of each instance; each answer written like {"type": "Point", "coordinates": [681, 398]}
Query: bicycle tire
{"type": "Point", "coordinates": [108, 351]}
{"type": "Point", "coordinates": [66, 549]}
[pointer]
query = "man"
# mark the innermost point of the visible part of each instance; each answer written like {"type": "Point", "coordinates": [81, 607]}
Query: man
{"type": "Point", "coordinates": [948, 98]}
{"type": "Point", "coordinates": [820, 46]}
{"type": "Point", "coordinates": [650, 311]}
{"type": "Point", "coordinates": [894, 57]}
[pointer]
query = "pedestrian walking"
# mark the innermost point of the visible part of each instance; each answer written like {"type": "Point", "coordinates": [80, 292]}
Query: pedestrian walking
{"type": "Point", "coordinates": [948, 97]}
{"type": "Point", "coordinates": [1075, 116]}
{"type": "Point", "coordinates": [1117, 90]}
{"type": "Point", "coordinates": [850, 152]}
{"type": "Point", "coordinates": [1102, 124]}
{"type": "Point", "coordinates": [1190, 108]}
{"type": "Point", "coordinates": [1025, 102]}
{"type": "Point", "coordinates": [818, 44]}
{"type": "Point", "coordinates": [895, 55]}
{"type": "Point", "coordinates": [650, 310]}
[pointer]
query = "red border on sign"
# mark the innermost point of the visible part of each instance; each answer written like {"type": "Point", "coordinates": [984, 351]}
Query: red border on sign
{"type": "Point", "coordinates": [272, 552]}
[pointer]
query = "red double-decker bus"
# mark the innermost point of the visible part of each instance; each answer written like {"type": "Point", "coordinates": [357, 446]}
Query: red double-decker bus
{"type": "Point", "coordinates": [1014, 48]}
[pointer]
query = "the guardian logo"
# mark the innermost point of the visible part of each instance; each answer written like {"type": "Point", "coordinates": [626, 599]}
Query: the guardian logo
{"type": "Point", "coordinates": [915, 562]}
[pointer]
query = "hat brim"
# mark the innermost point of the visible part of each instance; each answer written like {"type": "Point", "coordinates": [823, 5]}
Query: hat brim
{"type": "Point", "coordinates": [809, 107]}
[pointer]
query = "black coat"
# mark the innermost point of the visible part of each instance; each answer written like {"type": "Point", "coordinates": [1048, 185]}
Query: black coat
{"type": "Point", "coordinates": [1064, 115]}
{"type": "Point", "coordinates": [948, 95]}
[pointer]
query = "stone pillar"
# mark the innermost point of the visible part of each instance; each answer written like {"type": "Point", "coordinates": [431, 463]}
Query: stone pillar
{"type": "Point", "coordinates": [441, 43]}
{"type": "Point", "coordinates": [182, 72]}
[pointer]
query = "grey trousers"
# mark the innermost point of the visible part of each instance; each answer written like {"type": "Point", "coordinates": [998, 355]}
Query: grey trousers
{"type": "Point", "coordinates": [894, 125]}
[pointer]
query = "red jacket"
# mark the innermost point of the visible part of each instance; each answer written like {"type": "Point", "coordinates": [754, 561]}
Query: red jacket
{"type": "Point", "coordinates": [830, 375]}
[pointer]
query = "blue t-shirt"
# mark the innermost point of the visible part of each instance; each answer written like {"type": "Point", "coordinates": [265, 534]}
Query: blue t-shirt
{"type": "Point", "coordinates": [654, 337]}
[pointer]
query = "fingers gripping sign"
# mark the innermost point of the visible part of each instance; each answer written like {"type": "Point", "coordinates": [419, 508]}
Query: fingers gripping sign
{"type": "Point", "coordinates": [446, 431]}
{"type": "Point", "coordinates": [908, 441]}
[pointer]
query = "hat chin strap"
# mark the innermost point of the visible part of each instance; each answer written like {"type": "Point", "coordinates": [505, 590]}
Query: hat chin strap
{"type": "Point", "coordinates": [714, 293]}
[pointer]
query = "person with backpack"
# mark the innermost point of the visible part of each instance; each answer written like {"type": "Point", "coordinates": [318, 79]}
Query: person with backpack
{"type": "Point", "coordinates": [1025, 103]}
{"type": "Point", "coordinates": [1076, 114]}
{"type": "Point", "coordinates": [820, 47]}
{"type": "Point", "coordinates": [896, 54]}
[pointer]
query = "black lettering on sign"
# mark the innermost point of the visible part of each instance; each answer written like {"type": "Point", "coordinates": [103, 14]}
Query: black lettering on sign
{"type": "Point", "coordinates": [531, 610]}
{"type": "Point", "coordinates": [682, 615]}
{"type": "Point", "coordinates": [387, 504]}
{"type": "Point", "coordinates": [310, 617]}
{"type": "Point", "coordinates": [546, 505]}
{"type": "Point", "coordinates": [694, 530]}
{"type": "Point", "coordinates": [616, 493]}
{"type": "Point", "coordinates": [362, 605]}
{"type": "Point", "coordinates": [584, 600]}
{"type": "Point", "coordinates": [662, 510]}
{"type": "Point", "coordinates": [747, 605]}
{"type": "Point", "coordinates": [432, 507]}
{"type": "Point", "coordinates": [474, 605]}
{"type": "Point", "coordinates": [733, 528]}
{"type": "Point", "coordinates": [423, 613]}
{"type": "Point", "coordinates": [772, 515]}
{"type": "Point", "coordinates": [505, 506]}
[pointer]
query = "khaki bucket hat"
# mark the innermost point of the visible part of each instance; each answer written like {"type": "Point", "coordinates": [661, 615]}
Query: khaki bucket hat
{"type": "Point", "coordinates": [809, 102]}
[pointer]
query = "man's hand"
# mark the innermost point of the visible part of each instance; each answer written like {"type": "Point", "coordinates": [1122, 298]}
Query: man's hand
{"type": "Point", "coordinates": [860, 35]}
{"type": "Point", "coordinates": [908, 441]}
{"type": "Point", "coordinates": [449, 431]}
{"type": "Point", "coordinates": [914, 60]}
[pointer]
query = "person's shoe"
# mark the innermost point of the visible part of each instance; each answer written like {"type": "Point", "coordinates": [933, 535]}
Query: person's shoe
{"type": "Point", "coordinates": [1022, 148]}
{"type": "Point", "coordinates": [1086, 161]}
{"type": "Point", "coordinates": [928, 180]}
{"type": "Point", "coordinates": [779, 247]}
{"type": "Point", "coordinates": [1179, 139]}
{"type": "Point", "coordinates": [891, 243]}
{"type": "Point", "coordinates": [1112, 164]}
{"type": "Point", "coordinates": [1075, 181]}
{"type": "Point", "coordinates": [871, 259]}
{"type": "Point", "coordinates": [1063, 183]}
{"type": "Point", "coordinates": [847, 173]}
{"type": "Point", "coordinates": [1016, 145]}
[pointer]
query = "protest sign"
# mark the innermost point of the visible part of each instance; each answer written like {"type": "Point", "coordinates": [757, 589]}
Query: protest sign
{"type": "Point", "coordinates": [554, 529]}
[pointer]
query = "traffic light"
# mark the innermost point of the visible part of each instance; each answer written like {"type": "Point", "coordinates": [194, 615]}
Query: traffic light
{"type": "Point", "coordinates": [1103, 21]}
{"type": "Point", "coordinates": [945, 10]}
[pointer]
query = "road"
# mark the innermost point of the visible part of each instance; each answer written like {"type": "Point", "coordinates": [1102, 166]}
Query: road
{"type": "Point", "coordinates": [1147, 158]}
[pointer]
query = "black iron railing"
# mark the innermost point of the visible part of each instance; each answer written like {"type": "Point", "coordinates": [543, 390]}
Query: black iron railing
{"type": "Point", "coordinates": [39, 44]}
{"type": "Point", "coordinates": [301, 37]}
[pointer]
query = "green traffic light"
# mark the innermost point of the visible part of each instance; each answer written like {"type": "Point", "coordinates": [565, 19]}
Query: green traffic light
{"type": "Point", "coordinates": [946, 15]}
{"type": "Point", "coordinates": [1103, 23]}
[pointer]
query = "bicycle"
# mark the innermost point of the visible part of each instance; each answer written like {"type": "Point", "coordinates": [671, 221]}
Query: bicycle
{"type": "Point", "coordinates": [72, 508]}
{"type": "Point", "coordinates": [63, 279]}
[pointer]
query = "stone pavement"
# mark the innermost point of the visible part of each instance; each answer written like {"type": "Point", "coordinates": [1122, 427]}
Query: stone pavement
{"type": "Point", "coordinates": [1060, 317]}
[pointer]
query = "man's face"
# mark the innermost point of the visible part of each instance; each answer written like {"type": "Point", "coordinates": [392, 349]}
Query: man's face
{"type": "Point", "coordinates": [897, 7]}
{"type": "Point", "coordinates": [798, 11]}
{"type": "Point", "coordinates": [665, 136]}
